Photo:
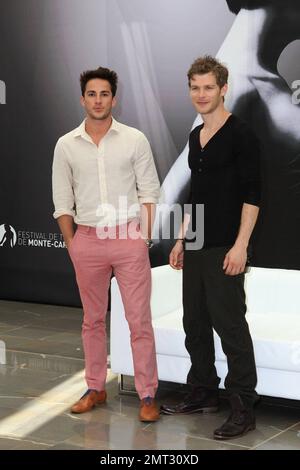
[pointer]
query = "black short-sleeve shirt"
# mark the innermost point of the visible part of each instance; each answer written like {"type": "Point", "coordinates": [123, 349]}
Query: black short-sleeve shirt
{"type": "Point", "coordinates": [225, 174]}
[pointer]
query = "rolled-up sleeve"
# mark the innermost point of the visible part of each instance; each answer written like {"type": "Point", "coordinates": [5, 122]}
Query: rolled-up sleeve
{"type": "Point", "coordinates": [147, 182]}
{"type": "Point", "coordinates": [62, 187]}
{"type": "Point", "coordinates": [249, 165]}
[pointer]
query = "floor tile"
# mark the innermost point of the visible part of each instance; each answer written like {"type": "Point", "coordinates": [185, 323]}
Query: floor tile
{"type": "Point", "coordinates": [286, 440]}
{"type": "Point", "coordinates": [44, 351]}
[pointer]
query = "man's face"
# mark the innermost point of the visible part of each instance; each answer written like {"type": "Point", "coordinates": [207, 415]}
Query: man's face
{"type": "Point", "coordinates": [98, 100]}
{"type": "Point", "coordinates": [205, 93]}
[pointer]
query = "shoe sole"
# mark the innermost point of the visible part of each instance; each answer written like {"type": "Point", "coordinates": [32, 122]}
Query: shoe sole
{"type": "Point", "coordinates": [148, 420]}
{"type": "Point", "coordinates": [226, 438]}
{"type": "Point", "coordinates": [210, 409]}
{"type": "Point", "coordinates": [90, 409]}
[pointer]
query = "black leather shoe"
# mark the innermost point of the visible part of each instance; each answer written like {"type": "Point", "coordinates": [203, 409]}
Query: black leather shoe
{"type": "Point", "coordinates": [240, 421]}
{"type": "Point", "coordinates": [195, 402]}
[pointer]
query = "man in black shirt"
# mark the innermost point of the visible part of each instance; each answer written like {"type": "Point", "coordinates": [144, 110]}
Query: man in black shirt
{"type": "Point", "coordinates": [224, 163]}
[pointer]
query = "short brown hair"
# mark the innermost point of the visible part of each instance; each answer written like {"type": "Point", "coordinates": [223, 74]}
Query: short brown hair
{"type": "Point", "coordinates": [208, 64]}
{"type": "Point", "coordinates": [102, 73]}
{"type": "Point", "coordinates": [236, 5]}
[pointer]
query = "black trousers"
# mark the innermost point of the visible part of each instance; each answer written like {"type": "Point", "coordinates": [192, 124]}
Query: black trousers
{"type": "Point", "coordinates": [214, 300]}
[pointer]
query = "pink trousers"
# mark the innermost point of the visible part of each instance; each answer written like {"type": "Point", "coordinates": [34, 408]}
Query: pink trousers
{"type": "Point", "coordinates": [94, 260]}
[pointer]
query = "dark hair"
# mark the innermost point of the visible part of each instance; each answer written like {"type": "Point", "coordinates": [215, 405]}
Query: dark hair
{"type": "Point", "coordinates": [103, 74]}
{"type": "Point", "coordinates": [208, 64]}
{"type": "Point", "coordinates": [236, 5]}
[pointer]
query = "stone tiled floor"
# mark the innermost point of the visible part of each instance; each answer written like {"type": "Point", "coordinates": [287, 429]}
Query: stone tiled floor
{"type": "Point", "coordinates": [43, 376]}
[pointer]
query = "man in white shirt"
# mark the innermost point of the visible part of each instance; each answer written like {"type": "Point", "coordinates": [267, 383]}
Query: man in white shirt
{"type": "Point", "coordinates": [104, 180]}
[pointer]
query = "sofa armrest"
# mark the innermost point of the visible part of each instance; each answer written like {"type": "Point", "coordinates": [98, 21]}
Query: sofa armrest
{"type": "Point", "coordinates": [2, 353]}
{"type": "Point", "coordinates": [166, 294]}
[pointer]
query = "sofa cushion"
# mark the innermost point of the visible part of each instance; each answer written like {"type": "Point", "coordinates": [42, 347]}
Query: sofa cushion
{"type": "Point", "coordinates": [276, 339]}
{"type": "Point", "coordinates": [273, 291]}
{"type": "Point", "coordinates": [169, 334]}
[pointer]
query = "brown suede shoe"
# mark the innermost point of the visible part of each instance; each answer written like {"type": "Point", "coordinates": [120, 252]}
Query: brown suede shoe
{"type": "Point", "coordinates": [148, 410]}
{"type": "Point", "coordinates": [90, 399]}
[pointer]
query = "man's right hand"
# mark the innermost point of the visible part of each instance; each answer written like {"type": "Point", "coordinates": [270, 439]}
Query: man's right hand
{"type": "Point", "coordinates": [68, 242]}
{"type": "Point", "coordinates": [66, 225]}
{"type": "Point", "coordinates": [176, 255]}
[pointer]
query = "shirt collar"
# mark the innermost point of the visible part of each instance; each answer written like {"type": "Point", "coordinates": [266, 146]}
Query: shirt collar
{"type": "Point", "coordinates": [80, 130]}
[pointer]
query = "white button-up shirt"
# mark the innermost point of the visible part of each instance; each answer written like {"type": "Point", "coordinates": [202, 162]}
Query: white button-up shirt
{"type": "Point", "coordinates": [103, 185]}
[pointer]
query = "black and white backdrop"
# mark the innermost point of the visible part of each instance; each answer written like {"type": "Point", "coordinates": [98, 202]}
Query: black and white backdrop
{"type": "Point", "coordinates": [44, 46]}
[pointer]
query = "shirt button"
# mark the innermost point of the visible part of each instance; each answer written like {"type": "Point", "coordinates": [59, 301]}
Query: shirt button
{"type": "Point", "coordinates": [201, 160]}
{"type": "Point", "coordinates": [202, 150]}
{"type": "Point", "coordinates": [200, 169]}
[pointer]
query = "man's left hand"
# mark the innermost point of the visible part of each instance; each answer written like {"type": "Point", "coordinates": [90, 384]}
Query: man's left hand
{"type": "Point", "coordinates": [235, 260]}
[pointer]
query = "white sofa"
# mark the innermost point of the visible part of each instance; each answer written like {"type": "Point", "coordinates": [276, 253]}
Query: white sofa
{"type": "Point", "coordinates": [2, 353]}
{"type": "Point", "coordinates": [273, 299]}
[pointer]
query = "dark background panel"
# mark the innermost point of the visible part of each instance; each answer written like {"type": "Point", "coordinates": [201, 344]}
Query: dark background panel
{"type": "Point", "coordinates": [44, 46]}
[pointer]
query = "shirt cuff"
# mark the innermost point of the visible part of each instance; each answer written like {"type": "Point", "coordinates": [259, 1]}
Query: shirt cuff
{"type": "Point", "coordinates": [60, 212]}
{"type": "Point", "coordinates": [252, 201]}
{"type": "Point", "coordinates": [148, 200]}
{"type": "Point", "coordinates": [253, 195]}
